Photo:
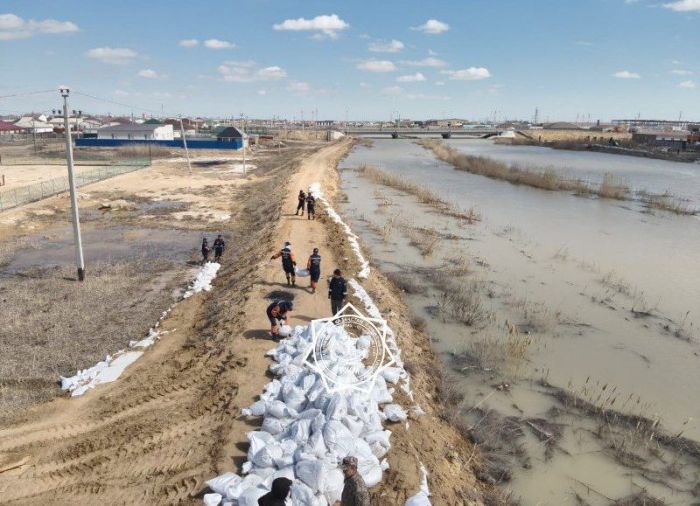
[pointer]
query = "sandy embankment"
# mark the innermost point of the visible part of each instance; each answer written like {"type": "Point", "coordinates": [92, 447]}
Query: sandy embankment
{"type": "Point", "coordinates": [173, 419]}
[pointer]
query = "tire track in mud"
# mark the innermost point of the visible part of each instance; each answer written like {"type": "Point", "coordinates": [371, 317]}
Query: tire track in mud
{"type": "Point", "coordinates": [154, 435]}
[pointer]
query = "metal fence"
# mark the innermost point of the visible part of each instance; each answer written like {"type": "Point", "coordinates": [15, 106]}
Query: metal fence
{"type": "Point", "coordinates": [38, 191]}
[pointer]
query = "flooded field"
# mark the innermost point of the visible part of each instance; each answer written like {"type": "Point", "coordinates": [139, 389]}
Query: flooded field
{"type": "Point", "coordinates": [569, 324]}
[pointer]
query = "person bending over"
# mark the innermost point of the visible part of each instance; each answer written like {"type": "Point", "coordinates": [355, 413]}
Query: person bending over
{"type": "Point", "coordinates": [277, 314]}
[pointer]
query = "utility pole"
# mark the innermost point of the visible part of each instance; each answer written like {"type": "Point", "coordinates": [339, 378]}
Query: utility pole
{"type": "Point", "coordinates": [184, 143]}
{"type": "Point", "coordinates": [34, 132]}
{"type": "Point", "coordinates": [79, 260]}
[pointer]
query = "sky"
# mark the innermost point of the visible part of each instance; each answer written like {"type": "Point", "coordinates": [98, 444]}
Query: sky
{"type": "Point", "coordinates": [361, 60]}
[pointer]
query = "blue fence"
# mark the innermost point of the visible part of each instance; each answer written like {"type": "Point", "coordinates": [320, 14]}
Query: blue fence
{"type": "Point", "coordinates": [176, 143]}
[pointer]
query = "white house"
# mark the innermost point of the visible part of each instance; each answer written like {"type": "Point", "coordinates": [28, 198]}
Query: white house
{"type": "Point", "coordinates": [133, 131]}
{"type": "Point", "coordinates": [34, 125]}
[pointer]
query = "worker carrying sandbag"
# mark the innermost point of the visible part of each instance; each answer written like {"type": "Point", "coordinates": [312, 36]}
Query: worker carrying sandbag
{"type": "Point", "coordinates": [288, 262]}
{"type": "Point", "coordinates": [314, 266]}
{"type": "Point", "coordinates": [277, 314]}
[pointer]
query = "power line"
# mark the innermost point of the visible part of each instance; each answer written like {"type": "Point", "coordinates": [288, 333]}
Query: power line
{"type": "Point", "coordinates": [121, 104]}
{"type": "Point", "coordinates": [27, 93]}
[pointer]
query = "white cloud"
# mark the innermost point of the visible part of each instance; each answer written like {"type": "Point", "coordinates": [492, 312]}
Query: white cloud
{"type": "Point", "coordinates": [325, 26]}
{"type": "Point", "coordinates": [247, 72]}
{"type": "Point", "coordinates": [432, 26]}
{"type": "Point", "coordinates": [121, 93]}
{"type": "Point", "coordinates": [262, 93]}
{"type": "Point", "coordinates": [689, 85]}
{"type": "Point", "coordinates": [684, 6]}
{"type": "Point", "coordinates": [439, 83]}
{"type": "Point", "coordinates": [470, 74]}
{"type": "Point", "coordinates": [377, 66]}
{"type": "Point", "coordinates": [113, 55]}
{"type": "Point", "coordinates": [680, 72]}
{"type": "Point", "coordinates": [218, 44]}
{"type": "Point", "coordinates": [392, 91]}
{"type": "Point", "coordinates": [14, 27]}
{"type": "Point", "coordinates": [427, 62]}
{"type": "Point", "coordinates": [626, 74]}
{"type": "Point", "coordinates": [392, 46]}
{"type": "Point", "coordinates": [148, 74]}
{"type": "Point", "coordinates": [188, 42]}
{"type": "Point", "coordinates": [365, 85]}
{"type": "Point", "coordinates": [411, 78]}
{"type": "Point", "coordinates": [300, 87]}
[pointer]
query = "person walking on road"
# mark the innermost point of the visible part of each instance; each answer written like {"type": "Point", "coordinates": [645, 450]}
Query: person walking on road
{"type": "Point", "coordinates": [337, 291]}
{"type": "Point", "coordinates": [219, 246]}
{"type": "Point", "coordinates": [310, 207]}
{"type": "Point", "coordinates": [314, 266]}
{"type": "Point", "coordinates": [205, 251]}
{"type": "Point", "coordinates": [289, 263]}
{"type": "Point", "coordinates": [277, 314]}
{"type": "Point", "coordinates": [302, 201]}
{"type": "Point", "coordinates": [279, 493]}
{"type": "Point", "coordinates": [355, 491]}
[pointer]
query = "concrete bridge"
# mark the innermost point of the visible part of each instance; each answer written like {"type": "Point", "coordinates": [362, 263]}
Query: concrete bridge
{"type": "Point", "coordinates": [445, 133]}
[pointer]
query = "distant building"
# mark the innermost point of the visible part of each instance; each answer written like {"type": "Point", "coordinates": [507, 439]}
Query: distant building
{"type": "Point", "coordinates": [231, 134]}
{"type": "Point", "coordinates": [652, 124]}
{"type": "Point", "coordinates": [10, 129]}
{"type": "Point", "coordinates": [134, 131]}
{"type": "Point", "coordinates": [35, 125]}
{"type": "Point", "coordinates": [561, 125]}
{"type": "Point", "coordinates": [668, 138]}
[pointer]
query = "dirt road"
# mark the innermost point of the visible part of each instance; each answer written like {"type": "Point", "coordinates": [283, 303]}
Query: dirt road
{"type": "Point", "coordinates": [172, 420]}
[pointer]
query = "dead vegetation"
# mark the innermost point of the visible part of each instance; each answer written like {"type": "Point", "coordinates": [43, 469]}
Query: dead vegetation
{"type": "Point", "coordinates": [50, 328]}
{"type": "Point", "coordinates": [424, 195]}
{"type": "Point", "coordinates": [462, 303]}
{"type": "Point", "coordinates": [668, 202]}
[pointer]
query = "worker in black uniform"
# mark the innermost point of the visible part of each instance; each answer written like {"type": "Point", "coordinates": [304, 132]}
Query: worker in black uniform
{"type": "Point", "coordinates": [205, 251]}
{"type": "Point", "coordinates": [302, 201]}
{"type": "Point", "coordinates": [277, 314]}
{"type": "Point", "coordinates": [314, 266]}
{"type": "Point", "coordinates": [310, 206]}
{"type": "Point", "coordinates": [219, 246]}
{"type": "Point", "coordinates": [289, 263]}
{"type": "Point", "coordinates": [337, 291]}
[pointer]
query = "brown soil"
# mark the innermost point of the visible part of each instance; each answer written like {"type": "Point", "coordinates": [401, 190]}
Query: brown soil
{"type": "Point", "coordinates": [173, 419]}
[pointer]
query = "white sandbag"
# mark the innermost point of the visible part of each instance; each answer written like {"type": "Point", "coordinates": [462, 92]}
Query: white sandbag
{"type": "Point", "coordinates": [420, 499]}
{"type": "Point", "coordinates": [257, 408]}
{"type": "Point", "coordinates": [234, 491]}
{"type": "Point", "coordinates": [272, 390]}
{"type": "Point", "coordinates": [302, 273]}
{"type": "Point", "coordinates": [299, 431]}
{"type": "Point", "coordinates": [395, 413]}
{"type": "Point", "coordinates": [274, 425]}
{"type": "Point", "coordinates": [379, 436]}
{"type": "Point", "coordinates": [212, 499]}
{"type": "Point", "coordinates": [258, 440]}
{"type": "Point", "coordinates": [302, 495]}
{"type": "Point", "coordinates": [293, 396]}
{"type": "Point", "coordinates": [263, 472]}
{"type": "Point", "coordinates": [313, 473]}
{"type": "Point", "coordinates": [378, 450]}
{"type": "Point", "coordinates": [354, 425]}
{"type": "Point", "coordinates": [285, 331]}
{"type": "Point", "coordinates": [316, 445]}
{"type": "Point", "coordinates": [370, 470]}
{"type": "Point", "coordinates": [266, 457]}
{"type": "Point", "coordinates": [333, 485]}
{"type": "Point", "coordinates": [380, 393]}
{"type": "Point", "coordinates": [279, 409]}
{"type": "Point", "coordinates": [250, 497]}
{"type": "Point", "coordinates": [337, 437]}
{"type": "Point", "coordinates": [337, 407]}
{"type": "Point", "coordinates": [307, 382]}
{"type": "Point", "coordinates": [392, 374]}
{"type": "Point", "coordinates": [219, 484]}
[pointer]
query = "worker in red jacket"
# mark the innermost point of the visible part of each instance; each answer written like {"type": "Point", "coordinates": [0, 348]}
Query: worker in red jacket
{"type": "Point", "coordinates": [277, 313]}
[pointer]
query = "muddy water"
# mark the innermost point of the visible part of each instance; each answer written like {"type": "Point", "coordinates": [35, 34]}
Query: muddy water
{"type": "Point", "coordinates": [656, 176]}
{"type": "Point", "coordinates": [589, 296]}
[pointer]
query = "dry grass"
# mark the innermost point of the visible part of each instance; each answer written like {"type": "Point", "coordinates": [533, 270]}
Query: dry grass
{"type": "Point", "coordinates": [668, 202]}
{"type": "Point", "coordinates": [50, 327]}
{"type": "Point", "coordinates": [546, 179]}
{"type": "Point", "coordinates": [424, 195]}
{"type": "Point", "coordinates": [463, 303]}
{"type": "Point", "coordinates": [143, 151]}
{"type": "Point", "coordinates": [506, 353]}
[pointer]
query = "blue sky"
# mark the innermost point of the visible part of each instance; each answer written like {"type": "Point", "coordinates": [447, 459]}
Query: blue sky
{"type": "Point", "coordinates": [369, 60]}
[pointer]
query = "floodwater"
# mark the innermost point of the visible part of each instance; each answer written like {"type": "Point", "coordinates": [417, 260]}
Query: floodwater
{"type": "Point", "coordinates": [589, 297]}
{"type": "Point", "coordinates": [640, 174]}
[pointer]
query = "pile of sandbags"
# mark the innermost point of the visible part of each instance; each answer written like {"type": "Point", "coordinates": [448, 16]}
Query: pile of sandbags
{"type": "Point", "coordinates": [306, 430]}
